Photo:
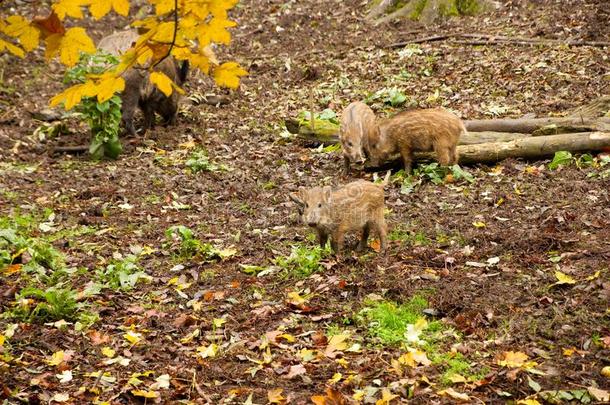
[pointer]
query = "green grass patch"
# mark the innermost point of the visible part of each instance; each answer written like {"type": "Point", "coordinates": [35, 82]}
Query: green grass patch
{"type": "Point", "coordinates": [387, 321]}
{"type": "Point", "coordinates": [302, 261]}
{"type": "Point", "coordinates": [403, 234]}
{"type": "Point", "coordinates": [454, 364]}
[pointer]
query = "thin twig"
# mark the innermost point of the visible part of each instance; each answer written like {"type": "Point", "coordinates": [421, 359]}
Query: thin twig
{"type": "Point", "coordinates": [420, 40]}
{"type": "Point", "coordinates": [171, 46]}
{"type": "Point", "coordinates": [489, 39]}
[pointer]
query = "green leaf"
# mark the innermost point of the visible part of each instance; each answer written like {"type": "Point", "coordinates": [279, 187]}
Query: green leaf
{"type": "Point", "coordinates": [561, 158]}
{"type": "Point", "coordinates": [533, 384]}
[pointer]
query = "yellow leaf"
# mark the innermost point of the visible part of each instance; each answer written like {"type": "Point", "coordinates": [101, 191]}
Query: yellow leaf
{"type": "Point", "coordinates": [386, 397]}
{"type": "Point", "coordinates": [164, 34]}
{"type": "Point", "coordinates": [70, 8]}
{"type": "Point", "coordinates": [133, 337]}
{"type": "Point", "coordinates": [454, 394]}
{"type": "Point", "coordinates": [568, 352]}
{"type": "Point", "coordinates": [73, 95]}
{"type": "Point", "coordinates": [100, 8]}
{"type": "Point", "coordinates": [413, 358]}
{"type": "Point", "coordinates": [2, 340]}
{"type": "Point", "coordinates": [163, 6]}
{"type": "Point", "coordinates": [479, 224]}
{"type": "Point", "coordinates": [52, 43]}
{"type": "Point", "coordinates": [528, 402]}
{"type": "Point", "coordinates": [15, 50]}
{"type": "Point", "coordinates": [336, 344]}
{"type": "Point", "coordinates": [335, 378]}
{"type": "Point", "coordinates": [217, 30]}
{"type": "Point", "coordinates": [208, 351]}
{"type": "Point", "coordinates": [108, 352]}
{"type": "Point", "coordinates": [145, 394]}
{"type": "Point", "coordinates": [72, 44]}
{"type": "Point", "coordinates": [306, 355]}
{"type": "Point", "coordinates": [275, 396]}
{"type": "Point", "coordinates": [228, 74]}
{"type": "Point", "coordinates": [513, 359]}
{"type": "Point", "coordinates": [56, 359]}
{"type": "Point", "coordinates": [594, 276]}
{"type": "Point", "coordinates": [605, 371]}
{"type": "Point", "coordinates": [220, 8]}
{"type": "Point", "coordinates": [359, 395]}
{"type": "Point", "coordinates": [19, 27]}
{"type": "Point", "coordinates": [563, 278]}
{"type": "Point", "coordinates": [162, 82]}
{"type": "Point", "coordinates": [109, 86]}
{"type": "Point", "coordinates": [289, 338]}
{"type": "Point", "coordinates": [218, 322]}
{"type": "Point", "coordinates": [295, 299]}
{"type": "Point", "coordinates": [456, 378]}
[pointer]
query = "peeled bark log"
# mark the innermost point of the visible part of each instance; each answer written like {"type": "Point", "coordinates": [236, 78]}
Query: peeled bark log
{"type": "Point", "coordinates": [380, 8]}
{"type": "Point", "coordinates": [528, 148]}
{"type": "Point", "coordinates": [529, 125]}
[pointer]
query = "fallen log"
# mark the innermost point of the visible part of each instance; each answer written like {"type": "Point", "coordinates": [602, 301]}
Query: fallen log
{"type": "Point", "coordinates": [529, 125]}
{"type": "Point", "coordinates": [329, 136]}
{"type": "Point", "coordinates": [528, 148]}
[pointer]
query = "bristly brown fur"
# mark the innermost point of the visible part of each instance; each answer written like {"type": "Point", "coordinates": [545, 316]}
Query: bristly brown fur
{"type": "Point", "coordinates": [139, 90]}
{"type": "Point", "coordinates": [426, 130]}
{"type": "Point", "coordinates": [358, 128]}
{"type": "Point", "coordinates": [357, 206]}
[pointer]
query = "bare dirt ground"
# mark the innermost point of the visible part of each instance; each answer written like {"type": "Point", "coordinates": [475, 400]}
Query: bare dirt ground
{"type": "Point", "coordinates": [534, 220]}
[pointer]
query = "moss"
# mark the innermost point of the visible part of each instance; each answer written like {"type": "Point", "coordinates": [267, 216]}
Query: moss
{"type": "Point", "coordinates": [419, 7]}
{"type": "Point", "coordinates": [468, 7]}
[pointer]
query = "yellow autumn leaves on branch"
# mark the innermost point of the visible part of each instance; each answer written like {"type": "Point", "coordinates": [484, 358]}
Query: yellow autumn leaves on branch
{"type": "Point", "coordinates": [201, 23]}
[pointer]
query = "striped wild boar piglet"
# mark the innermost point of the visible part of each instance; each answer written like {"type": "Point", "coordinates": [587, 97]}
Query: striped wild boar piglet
{"type": "Point", "coordinates": [426, 130]}
{"type": "Point", "coordinates": [358, 128]}
{"type": "Point", "coordinates": [139, 90]}
{"type": "Point", "coordinates": [357, 206]}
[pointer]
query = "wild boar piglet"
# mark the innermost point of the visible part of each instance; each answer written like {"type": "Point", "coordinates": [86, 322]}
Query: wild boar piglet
{"type": "Point", "coordinates": [139, 90]}
{"type": "Point", "coordinates": [357, 206]}
{"type": "Point", "coordinates": [358, 127]}
{"type": "Point", "coordinates": [426, 130]}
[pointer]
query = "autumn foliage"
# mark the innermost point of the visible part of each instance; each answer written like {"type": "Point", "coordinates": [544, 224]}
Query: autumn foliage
{"type": "Point", "coordinates": [185, 29]}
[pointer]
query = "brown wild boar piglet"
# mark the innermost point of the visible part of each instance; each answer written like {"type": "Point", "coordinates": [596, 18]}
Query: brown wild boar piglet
{"type": "Point", "coordinates": [418, 131]}
{"type": "Point", "coordinates": [357, 206]}
{"type": "Point", "coordinates": [358, 127]}
{"type": "Point", "coordinates": [139, 90]}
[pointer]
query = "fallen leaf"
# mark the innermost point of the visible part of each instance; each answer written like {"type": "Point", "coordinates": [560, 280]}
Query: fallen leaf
{"type": "Point", "coordinates": [563, 278]}
{"type": "Point", "coordinates": [386, 397]}
{"type": "Point", "coordinates": [56, 359]}
{"type": "Point", "coordinates": [65, 376]}
{"type": "Point", "coordinates": [296, 370]}
{"type": "Point", "coordinates": [208, 351]}
{"type": "Point", "coordinates": [133, 337]}
{"type": "Point", "coordinates": [606, 371]}
{"type": "Point", "coordinates": [108, 352]}
{"type": "Point", "coordinates": [336, 344]}
{"type": "Point", "coordinates": [145, 394]}
{"type": "Point", "coordinates": [454, 394]}
{"type": "Point", "coordinates": [513, 359]}
{"type": "Point", "coordinates": [61, 397]}
{"type": "Point", "coordinates": [275, 396]}
{"type": "Point", "coordinates": [600, 395]}
{"type": "Point", "coordinates": [332, 397]}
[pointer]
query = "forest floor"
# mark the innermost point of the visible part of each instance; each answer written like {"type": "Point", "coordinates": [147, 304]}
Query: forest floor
{"type": "Point", "coordinates": [510, 270]}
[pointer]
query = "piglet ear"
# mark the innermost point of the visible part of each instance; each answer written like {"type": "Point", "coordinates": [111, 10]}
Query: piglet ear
{"type": "Point", "coordinates": [327, 194]}
{"type": "Point", "coordinates": [297, 198]}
